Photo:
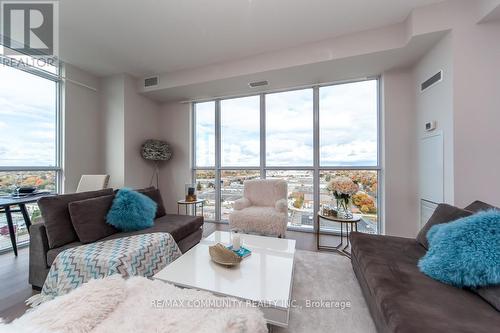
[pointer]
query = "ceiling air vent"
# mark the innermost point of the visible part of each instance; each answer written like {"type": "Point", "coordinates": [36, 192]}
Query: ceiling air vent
{"type": "Point", "coordinates": [258, 84]}
{"type": "Point", "coordinates": [151, 81]}
{"type": "Point", "coordinates": [436, 78]}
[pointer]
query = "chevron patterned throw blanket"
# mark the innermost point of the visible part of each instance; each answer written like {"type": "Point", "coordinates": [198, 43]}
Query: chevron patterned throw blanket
{"type": "Point", "coordinates": [139, 255]}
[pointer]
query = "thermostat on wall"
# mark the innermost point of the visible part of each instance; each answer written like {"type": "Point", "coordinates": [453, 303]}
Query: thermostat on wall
{"type": "Point", "coordinates": [430, 126]}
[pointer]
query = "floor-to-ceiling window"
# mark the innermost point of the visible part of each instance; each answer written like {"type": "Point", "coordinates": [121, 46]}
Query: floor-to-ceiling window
{"type": "Point", "coordinates": [290, 150]}
{"type": "Point", "coordinates": [348, 145]}
{"type": "Point", "coordinates": [29, 135]}
{"type": "Point", "coordinates": [305, 136]}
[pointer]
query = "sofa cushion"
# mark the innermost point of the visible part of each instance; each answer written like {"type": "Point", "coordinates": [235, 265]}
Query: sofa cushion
{"type": "Point", "coordinates": [466, 252]}
{"type": "Point", "coordinates": [154, 194]}
{"type": "Point", "coordinates": [264, 220]}
{"type": "Point", "coordinates": [490, 294]}
{"type": "Point", "coordinates": [408, 301]}
{"type": "Point", "coordinates": [52, 253]}
{"type": "Point", "coordinates": [55, 213]}
{"type": "Point", "coordinates": [89, 218]}
{"type": "Point", "coordinates": [478, 206]}
{"type": "Point", "coordinates": [131, 211]}
{"type": "Point", "coordinates": [371, 250]}
{"type": "Point", "coordinates": [444, 213]}
{"type": "Point", "coordinates": [179, 226]}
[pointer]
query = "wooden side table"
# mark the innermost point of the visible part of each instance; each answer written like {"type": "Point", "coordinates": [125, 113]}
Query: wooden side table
{"type": "Point", "coordinates": [195, 205]}
{"type": "Point", "coordinates": [352, 223]}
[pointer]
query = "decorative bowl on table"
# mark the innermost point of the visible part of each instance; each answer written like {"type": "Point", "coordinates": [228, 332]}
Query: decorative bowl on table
{"type": "Point", "coordinates": [24, 191]}
{"type": "Point", "coordinates": [223, 256]}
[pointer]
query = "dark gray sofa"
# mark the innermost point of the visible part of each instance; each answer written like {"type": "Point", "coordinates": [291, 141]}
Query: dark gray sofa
{"type": "Point", "coordinates": [186, 230]}
{"type": "Point", "coordinates": [402, 299]}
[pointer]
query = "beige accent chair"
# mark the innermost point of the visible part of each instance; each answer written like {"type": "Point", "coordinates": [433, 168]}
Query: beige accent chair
{"type": "Point", "coordinates": [263, 208]}
{"type": "Point", "coordinates": [92, 183]}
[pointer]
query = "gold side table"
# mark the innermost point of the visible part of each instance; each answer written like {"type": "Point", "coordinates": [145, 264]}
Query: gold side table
{"type": "Point", "coordinates": [195, 204]}
{"type": "Point", "coordinates": [341, 248]}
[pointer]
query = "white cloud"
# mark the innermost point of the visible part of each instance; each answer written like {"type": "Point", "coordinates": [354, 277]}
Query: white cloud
{"type": "Point", "coordinates": [27, 110]}
{"type": "Point", "coordinates": [348, 127]}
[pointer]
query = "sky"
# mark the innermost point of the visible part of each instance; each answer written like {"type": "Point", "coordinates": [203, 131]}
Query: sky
{"type": "Point", "coordinates": [27, 119]}
{"type": "Point", "coordinates": [348, 128]}
{"type": "Point", "coordinates": [240, 133]}
{"type": "Point", "coordinates": [205, 134]}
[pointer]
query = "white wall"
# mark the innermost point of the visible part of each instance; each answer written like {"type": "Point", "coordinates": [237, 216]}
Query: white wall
{"type": "Point", "coordinates": [476, 111]}
{"type": "Point", "coordinates": [475, 97]}
{"type": "Point", "coordinates": [82, 148]}
{"type": "Point", "coordinates": [175, 127]}
{"type": "Point", "coordinates": [113, 119]}
{"type": "Point", "coordinates": [436, 104]}
{"type": "Point", "coordinates": [128, 120]}
{"type": "Point", "coordinates": [400, 209]}
{"type": "Point", "coordinates": [141, 123]}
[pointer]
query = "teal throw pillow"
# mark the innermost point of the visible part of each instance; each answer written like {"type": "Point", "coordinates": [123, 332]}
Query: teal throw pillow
{"type": "Point", "coordinates": [465, 252]}
{"type": "Point", "coordinates": [131, 211]}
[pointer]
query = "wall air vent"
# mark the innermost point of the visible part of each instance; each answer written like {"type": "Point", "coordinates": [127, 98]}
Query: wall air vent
{"type": "Point", "coordinates": [150, 82]}
{"type": "Point", "coordinates": [258, 84]}
{"type": "Point", "coordinates": [436, 78]}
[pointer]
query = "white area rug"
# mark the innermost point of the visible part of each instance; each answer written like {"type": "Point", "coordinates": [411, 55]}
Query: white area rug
{"type": "Point", "coordinates": [327, 276]}
{"type": "Point", "coordinates": [116, 306]}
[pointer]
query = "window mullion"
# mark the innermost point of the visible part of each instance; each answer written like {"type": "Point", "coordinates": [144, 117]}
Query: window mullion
{"type": "Point", "coordinates": [263, 136]}
{"type": "Point", "coordinates": [59, 137]}
{"type": "Point", "coordinates": [193, 136]}
{"type": "Point", "coordinates": [316, 146]}
{"type": "Point", "coordinates": [217, 161]}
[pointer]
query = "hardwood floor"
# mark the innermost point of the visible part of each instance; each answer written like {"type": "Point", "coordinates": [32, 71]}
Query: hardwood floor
{"type": "Point", "coordinates": [14, 287]}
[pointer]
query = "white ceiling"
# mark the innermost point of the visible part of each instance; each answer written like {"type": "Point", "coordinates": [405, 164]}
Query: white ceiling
{"type": "Point", "coordinates": [143, 37]}
{"type": "Point", "coordinates": [322, 72]}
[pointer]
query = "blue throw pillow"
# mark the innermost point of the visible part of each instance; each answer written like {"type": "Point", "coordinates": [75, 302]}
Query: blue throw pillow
{"type": "Point", "coordinates": [131, 211]}
{"type": "Point", "coordinates": [466, 252]}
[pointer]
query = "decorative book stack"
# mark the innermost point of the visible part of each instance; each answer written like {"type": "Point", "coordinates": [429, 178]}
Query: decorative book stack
{"type": "Point", "coordinates": [242, 252]}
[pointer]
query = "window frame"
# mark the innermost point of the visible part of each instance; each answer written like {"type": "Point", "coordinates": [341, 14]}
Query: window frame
{"type": "Point", "coordinates": [316, 168]}
{"type": "Point", "coordinates": [56, 78]}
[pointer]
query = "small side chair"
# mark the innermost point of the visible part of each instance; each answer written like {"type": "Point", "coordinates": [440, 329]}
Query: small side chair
{"type": "Point", "coordinates": [263, 208]}
{"type": "Point", "coordinates": [92, 183]}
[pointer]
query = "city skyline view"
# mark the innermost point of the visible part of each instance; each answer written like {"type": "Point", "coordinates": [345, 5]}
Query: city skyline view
{"type": "Point", "coordinates": [300, 194]}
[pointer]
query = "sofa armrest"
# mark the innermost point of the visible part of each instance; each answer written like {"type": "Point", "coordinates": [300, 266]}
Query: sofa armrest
{"type": "Point", "coordinates": [39, 246]}
{"type": "Point", "coordinates": [281, 205]}
{"type": "Point", "coordinates": [241, 203]}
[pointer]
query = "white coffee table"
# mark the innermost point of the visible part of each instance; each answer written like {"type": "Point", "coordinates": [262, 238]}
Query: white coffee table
{"type": "Point", "coordinates": [265, 277]}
